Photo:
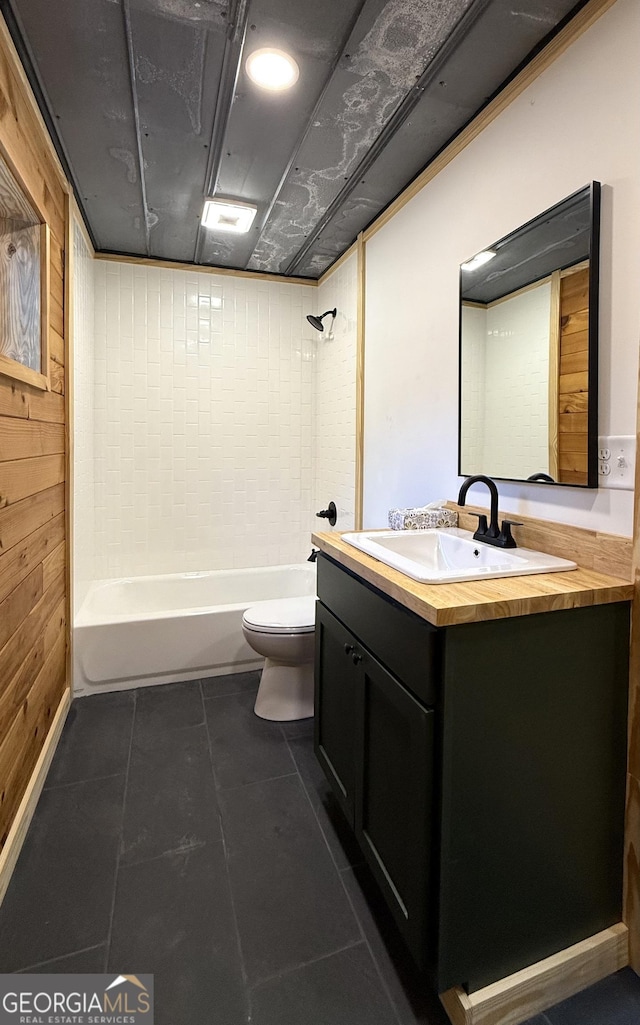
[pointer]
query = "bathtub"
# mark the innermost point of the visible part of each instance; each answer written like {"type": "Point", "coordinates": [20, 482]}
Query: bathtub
{"type": "Point", "coordinates": [181, 626]}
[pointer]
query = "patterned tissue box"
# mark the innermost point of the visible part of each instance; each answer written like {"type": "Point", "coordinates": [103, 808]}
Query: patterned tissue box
{"type": "Point", "coordinates": [422, 519]}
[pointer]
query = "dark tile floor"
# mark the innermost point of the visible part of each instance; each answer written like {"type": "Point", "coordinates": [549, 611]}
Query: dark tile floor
{"type": "Point", "coordinates": [178, 834]}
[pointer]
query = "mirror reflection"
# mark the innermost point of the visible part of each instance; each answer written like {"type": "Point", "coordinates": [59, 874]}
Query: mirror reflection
{"type": "Point", "coordinates": [528, 350]}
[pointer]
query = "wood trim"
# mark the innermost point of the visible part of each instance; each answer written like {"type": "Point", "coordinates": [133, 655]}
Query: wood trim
{"type": "Point", "coordinates": [72, 218]}
{"type": "Point", "coordinates": [554, 374]}
{"type": "Point", "coordinates": [631, 891]}
{"type": "Point", "coordinates": [591, 549]}
{"type": "Point", "coordinates": [535, 989]}
{"type": "Point", "coordinates": [45, 300]}
{"type": "Point", "coordinates": [579, 24]}
{"type": "Point", "coordinates": [76, 213]}
{"type": "Point", "coordinates": [12, 54]}
{"type": "Point", "coordinates": [22, 820]}
{"type": "Point", "coordinates": [11, 368]}
{"type": "Point", "coordinates": [143, 261]}
{"type": "Point", "coordinates": [518, 291]}
{"type": "Point", "coordinates": [361, 303]}
{"type": "Point", "coordinates": [353, 248]}
{"type": "Point", "coordinates": [575, 269]}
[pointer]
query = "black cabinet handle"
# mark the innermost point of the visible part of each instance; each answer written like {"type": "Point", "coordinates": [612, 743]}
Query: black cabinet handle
{"type": "Point", "coordinates": [356, 657]}
{"type": "Point", "coordinates": [348, 648]}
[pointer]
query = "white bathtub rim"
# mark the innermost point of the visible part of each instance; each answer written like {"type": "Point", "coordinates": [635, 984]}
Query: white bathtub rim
{"type": "Point", "coordinates": [86, 617]}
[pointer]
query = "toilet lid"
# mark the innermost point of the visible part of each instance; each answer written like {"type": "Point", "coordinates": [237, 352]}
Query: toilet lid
{"type": "Point", "coordinates": [284, 615]}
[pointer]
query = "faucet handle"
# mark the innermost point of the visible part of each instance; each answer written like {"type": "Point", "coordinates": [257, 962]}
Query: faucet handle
{"type": "Point", "coordinates": [506, 538]}
{"type": "Point", "coordinates": [483, 528]}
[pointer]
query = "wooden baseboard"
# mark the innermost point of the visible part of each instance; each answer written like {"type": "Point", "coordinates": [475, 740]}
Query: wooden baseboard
{"type": "Point", "coordinates": [537, 988]}
{"type": "Point", "coordinates": [16, 838]}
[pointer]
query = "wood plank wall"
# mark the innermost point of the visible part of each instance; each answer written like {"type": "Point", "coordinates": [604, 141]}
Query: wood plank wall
{"type": "Point", "coordinates": [33, 542]}
{"type": "Point", "coordinates": [574, 378]}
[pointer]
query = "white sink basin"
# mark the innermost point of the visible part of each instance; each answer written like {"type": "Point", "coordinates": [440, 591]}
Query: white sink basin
{"type": "Point", "coordinates": [447, 555]}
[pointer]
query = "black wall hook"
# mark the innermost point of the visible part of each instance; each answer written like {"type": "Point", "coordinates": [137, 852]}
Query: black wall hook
{"type": "Point", "coordinates": [330, 513]}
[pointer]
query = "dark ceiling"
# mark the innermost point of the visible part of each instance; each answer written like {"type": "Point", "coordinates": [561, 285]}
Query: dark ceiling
{"type": "Point", "coordinates": [153, 111]}
{"type": "Point", "coordinates": [560, 237]}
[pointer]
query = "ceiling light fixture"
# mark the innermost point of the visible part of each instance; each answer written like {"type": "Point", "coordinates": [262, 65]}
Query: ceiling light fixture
{"type": "Point", "coordinates": [272, 69]}
{"type": "Point", "coordinates": [223, 215]}
{"type": "Point", "coordinates": [478, 260]}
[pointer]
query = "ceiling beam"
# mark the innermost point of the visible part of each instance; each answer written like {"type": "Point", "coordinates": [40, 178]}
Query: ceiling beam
{"type": "Point", "coordinates": [395, 122]}
{"type": "Point", "coordinates": [313, 116]}
{"type": "Point", "coordinates": [231, 63]}
{"type": "Point", "coordinates": [126, 14]}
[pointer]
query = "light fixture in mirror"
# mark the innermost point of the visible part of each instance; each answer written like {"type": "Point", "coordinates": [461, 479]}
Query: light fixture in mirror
{"type": "Point", "coordinates": [528, 403]}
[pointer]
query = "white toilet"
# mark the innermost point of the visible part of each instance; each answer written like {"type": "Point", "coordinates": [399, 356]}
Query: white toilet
{"type": "Point", "coordinates": [284, 632]}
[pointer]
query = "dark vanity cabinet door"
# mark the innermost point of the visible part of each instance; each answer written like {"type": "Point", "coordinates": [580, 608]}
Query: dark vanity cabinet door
{"type": "Point", "coordinates": [364, 717]}
{"type": "Point", "coordinates": [336, 707]}
{"type": "Point", "coordinates": [394, 798]}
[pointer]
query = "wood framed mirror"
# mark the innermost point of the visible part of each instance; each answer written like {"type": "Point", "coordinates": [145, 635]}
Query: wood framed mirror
{"type": "Point", "coordinates": [24, 282]}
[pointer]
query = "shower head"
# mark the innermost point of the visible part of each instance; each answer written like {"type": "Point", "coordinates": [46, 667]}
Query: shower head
{"type": "Point", "coordinates": [317, 321]}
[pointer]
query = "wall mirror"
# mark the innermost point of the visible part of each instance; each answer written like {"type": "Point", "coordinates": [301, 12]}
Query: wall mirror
{"type": "Point", "coordinates": [528, 396]}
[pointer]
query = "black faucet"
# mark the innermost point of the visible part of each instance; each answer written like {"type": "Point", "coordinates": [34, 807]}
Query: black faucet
{"type": "Point", "coordinates": [492, 533]}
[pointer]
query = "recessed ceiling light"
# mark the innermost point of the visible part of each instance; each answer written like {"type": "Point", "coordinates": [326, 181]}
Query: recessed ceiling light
{"type": "Point", "coordinates": [272, 69]}
{"type": "Point", "coordinates": [478, 260]}
{"type": "Point", "coordinates": [222, 215]}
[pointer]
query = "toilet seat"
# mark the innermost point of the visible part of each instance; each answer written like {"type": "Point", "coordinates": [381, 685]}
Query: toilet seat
{"type": "Point", "coordinates": [282, 616]}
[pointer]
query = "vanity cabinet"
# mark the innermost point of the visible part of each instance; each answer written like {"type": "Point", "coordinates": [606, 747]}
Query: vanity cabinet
{"type": "Point", "coordinates": [482, 769]}
{"type": "Point", "coordinates": [363, 708]}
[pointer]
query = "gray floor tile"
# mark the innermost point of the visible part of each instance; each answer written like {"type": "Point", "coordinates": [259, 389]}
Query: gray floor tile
{"type": "Point", "coordinates": [63, 882]}
{"type": "Point", "coordinates": [233, 683]}
{"type": "Point", "coordinates": [414, 1000]}
{"type": "Point", "coordinates": [90, 961]}
{"type": "Point", "coordinates": [337, 831]}
{"type": "Point", "coordinates": [343, 989]}
{"type": "Point", "coordinates": [298, 727]}
{"type": "Point", "coordinates": [95, 740]}
{"type": "Point", "coordinates": [173, 917]}
{"type": "Point", "coordinates": [613, 1001]}
{"type": "Point", "coordinates": [244, 748]}
{"type": "Point", "coordinates": [168, 707]}
{"type": "Point", "coordinates": [290, 902]}
{"type": "Point", "coordinates": [171, 801]}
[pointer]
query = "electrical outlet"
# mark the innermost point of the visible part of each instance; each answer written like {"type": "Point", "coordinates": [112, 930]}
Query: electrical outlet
{"type": "Point", "coordinates": [617, 461]}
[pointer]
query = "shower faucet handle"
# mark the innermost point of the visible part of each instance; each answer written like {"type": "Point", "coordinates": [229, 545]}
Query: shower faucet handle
{"type": "Point", "coordinates": [330, 513]}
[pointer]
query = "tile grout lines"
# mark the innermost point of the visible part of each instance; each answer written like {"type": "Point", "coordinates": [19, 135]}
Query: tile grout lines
{"type": "Point", "coordinates": [61, 957]}
{"type": "Point", "coordinates": [121, 834]}
{"type": "Point", "coordinates": [247, 993]}
{"type": "Point", "coordinates": [383, 983]}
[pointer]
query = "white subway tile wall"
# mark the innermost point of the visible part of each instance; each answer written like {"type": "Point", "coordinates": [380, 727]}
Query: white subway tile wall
{"type": "Point", "coordinates": [83, 383]}
{"type": "Point", "coordinates": [334, 393]}
{"type": "Point", "coordinates": [203, 420]}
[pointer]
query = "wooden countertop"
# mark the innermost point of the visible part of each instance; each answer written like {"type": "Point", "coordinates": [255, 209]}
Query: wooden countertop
{"type": "Point", "coordinates": [477, 600]}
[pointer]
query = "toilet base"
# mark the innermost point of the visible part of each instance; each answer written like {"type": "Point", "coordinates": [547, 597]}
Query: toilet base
{"type": "Point", "coordinates": [285, 692]}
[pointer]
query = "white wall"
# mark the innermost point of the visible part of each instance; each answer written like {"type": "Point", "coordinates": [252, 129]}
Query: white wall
{"type": "Point", "coordinates": [83, 435]}
{"type": "Point", "coordinates": [334, 391]}
{"type": "Point", "coordinates": [579, 121]}
{"type": "Point", "coordinates": [203, 412]}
